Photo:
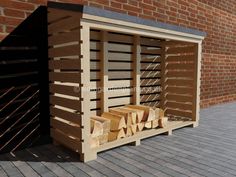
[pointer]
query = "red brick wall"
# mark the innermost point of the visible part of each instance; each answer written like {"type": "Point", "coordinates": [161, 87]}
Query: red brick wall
{"type": "Point", "coordinates": [216, 17]}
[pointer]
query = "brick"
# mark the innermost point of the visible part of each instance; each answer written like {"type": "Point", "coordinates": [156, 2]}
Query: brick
{"type": "Point", "coordinates": [17, 5]}
{"type": "Point", "coordinates": [14, 13]}
{"type": "Point", "coordinates": [131, 8]}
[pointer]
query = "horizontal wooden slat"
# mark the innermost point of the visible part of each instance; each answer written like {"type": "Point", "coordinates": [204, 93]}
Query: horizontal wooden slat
{"type": "Point", "coordinates": [180, 113]}
{"type": "Point", "coordinates": [120, 84]}
{"type": "Point", "coordinates": [95, 75]}
{"type": "Point", "coordinates": [70, 50]}
{"type": "Point", "coordinates": [95, 104]}
{"type": "Point", "coordinates": [65, 25]}
{"type": "Point", "coordinates": [55, 15]}
{"type": "Point", "coordinates": [119, 92]}
{"type": "Point", "coordinates": [179, 82]}
{"type": "Point", "coordinates": [151, 59]}
{"type": "Point", "coordinates": [178, 50]}
{"type": "Point", "coordinates": [94, 45]}
{"type": "Point", "coordinates": [113, 37]}
{"type": "Point", "coordinates": [178, 98]}
{"type": "Point", "coordinates": [67, 141]}
{"type": "Point", "coordinates": [62, 38]}
{"type": "Point", "coordinates": [66, 115]}
{"type": "Point", "coordinates": [95, 95]}
{"type": "Point", "coordinates": [150, 97]}
{"type": "Point", "coordinates": [70, 64]}
{"type": "Point", "coordinates": [63, 89]}
{"type": "Point", "coordinates": [119, 47]}
{"type": "Point", "coordinates": [180, 66]}
{"type": "Point", "coordinates": [176, 105]}
{"type": "Point", "coordinates": [119, 56]}
{"type": "Point", "coordinates": [65, 102]}
{"type": "Point", "coordinates": [150, 82]}
{"type": "Point", "coordinates": [65, 77]}
{"type": "Point", "coordinates": [182, 74]}
{"type": "Point", "coordinates": [179, 90]}
{"type": "Point", "coordinates": [66, 127]}
{"type": "Point", "coordinates": [180, 58]}
{"type": "Point", "coordinates": [176, 43]}
{"type": "Point", "coordinates": [150, 66]}
{"type": "Point", "coordinates": [145, 50]}
{"type": "Point", "coordinates": [149, 90]}
{"type": "Point", "coordinates": [95, 35]}
{"type": "Point", "coordinates": [119, 65]}
{"type": "Point", "coordinates": [120, 101]}
{"type": "Point", "coordinates": [150, 42]}
{"type": "Point", "coordinates": [119, 75]}
{"type": "Point", "coordinates": [150, 74]}
{"type": "Point", "coordinates": [151, 104]}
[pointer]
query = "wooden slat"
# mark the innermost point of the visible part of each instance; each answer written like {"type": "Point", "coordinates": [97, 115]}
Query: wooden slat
{"type": "Point", "coordinates": [152, 104]}
{"type": "Point", "coordinates": [63, 89]}
{"type": "Point", "coordinates": [150, 97]}
{"type": "Point", "coordinates": [119, 101]}
{"type": "Point", "coordinates": [151, 59]}
{"type": "Point", "coordinates": [119, 75]}
{"type": "Point", "coordinates": [65, 77]}
{"type": "Point", "coordinates": [112, 37]}
{"type": "Point", "coordinates": [149, 90]}
{"type": "Point", "coordinates": [150, 74]}
{"type": "Point", "coordinates": [95, 35]}
{"type": "Point", "coordinates": [180, 66]}
{"type": "Point", "coordinates": [70, 64]}
{"type": "Point", "coordinates": [179, 90]}
{"type": "Point", "coordinates": [179, 82]}
{"type": "Point", "coordinates": [55, 15]}
{"type": "Point", "coordinates": [69, 142]}
{"type": "Point", "coordinates": [150, 82]}
{"type": "Point", "coordinates": [145, 50]}
{"type": "Point", "coordinates": [176, 43]}
{"type": "Point", "coordinates": [183, 74]}
{"type": "Point", "coordinates": [119, 47]}
{"type": "Point", "coordinates": [178, 50]}
{"type": "Point", "coordinates": [120, 83]}
{"type": "Point", "coordinates": [64, 51]}
{"type": "Point", "coordinates": [150, 42]}
{"type": "Point", "coordinates": [95, 95]}
{"type": "Point", "coordinates": [119, 65]}
{"type": "Point", "coordinates": [119, 56]}
{"type": "Point", "coordinates": [66, 115]}
{"type": "Point", "coordinates": [176, 105]}
{"type": "Point", "coordinates": [62, 38]}
{"type": "Point", "coordinates": [65, 102]}
{"type": "Point", "coordinates": [150, 66]}
{"type": "Point", "coordinates": [94, 55]}
{"type": "Point", "coordinates": [119, 92]}
{"type": "Point", "coordinates": [70, 129]}
{"type": "Point", "coordinates": [95, 104]}
{"type": "Point", "coordinates": [94, 45]}
{"type": "Point", "coordinates": [180, 58]}
{"type": "Point", "coordinates": [65, 24]}
{"type": "Point", "coordinates": [95, 75]}
{"type": "Point", "coordinates": [180, 113]}
{"type": "Point", "coordinates": [178, 98]}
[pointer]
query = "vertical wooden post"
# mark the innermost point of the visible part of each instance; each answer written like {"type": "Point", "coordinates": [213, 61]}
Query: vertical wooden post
{"type": "Point", "coordinates": [163, 75]}
{"type": "Point", "coordinates": [104, 71]}
{"type": "Point", "coordinates": [136, 72]}
{"type": "Point", "coordinates": [197, 75]}
{"type": "Point", "coordinates": [86, 153]}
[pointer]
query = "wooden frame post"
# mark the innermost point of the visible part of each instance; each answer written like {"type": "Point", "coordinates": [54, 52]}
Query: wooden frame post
{"type": "Point", "coordinates": [136, 72]}
{"type": "Point", "coordinates": [104, 71]}
{"type": "Point", "coordinates": [87, 154]}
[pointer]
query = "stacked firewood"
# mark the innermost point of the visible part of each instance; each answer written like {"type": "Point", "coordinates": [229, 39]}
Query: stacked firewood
{"type": "Point", "coordinates": [121, 122]}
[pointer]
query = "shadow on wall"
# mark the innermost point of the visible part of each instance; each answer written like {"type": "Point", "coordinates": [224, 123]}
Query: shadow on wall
{"type": "Point", "coordinates": [24, 114]}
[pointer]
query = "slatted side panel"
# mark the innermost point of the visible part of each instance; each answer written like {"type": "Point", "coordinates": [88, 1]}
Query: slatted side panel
{"type": "Point", "coordinates": [118, 57]}
{"type": "Point", "coordinates": [180, 80]}
{"type": "Point", "coordinates": [21, 61]}
{"type": "Point", "coordinates": [65, 77]}
{"type": "Point", "coordinates": [150, 79]}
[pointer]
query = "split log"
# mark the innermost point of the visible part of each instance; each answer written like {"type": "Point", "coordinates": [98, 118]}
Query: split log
{"type": "Point", "coordinates": [148, 124]}
{"type": "Point", "coordinates": [115, 135]}
{"type": "Point", "coordinates": [155, 123]}
{"type": "Point", "coordinates": [128, 115]}
{"type": "Point", "coordinates": [139, 113]}
{"type": "Point", "coordinates": [94, 142]}
{"type": "Point", "coordinates": [105, 123]}
{"type": "Point", "coordinates": [117, 121]}
{"type": "Point", "coordinates": [96, 128]}
{"type": "Point", "coordinates": [159, 113]}
{"type": "Point", "coordinates": [163, 122]}
{"type": "Point", "coordinates": [128, 132]}
{"type": "Point", "coordinates": [133, 128]}
{"type": "Point", "coordinates": [149, 113]}
{"type": "Point", "coordinates": [140, 126]}
{"type": "Point", "coordinates": [103, 138]}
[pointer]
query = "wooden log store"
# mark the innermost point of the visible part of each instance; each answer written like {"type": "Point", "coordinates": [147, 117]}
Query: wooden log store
{"type": "Point", "coordinates": [117, 79]}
